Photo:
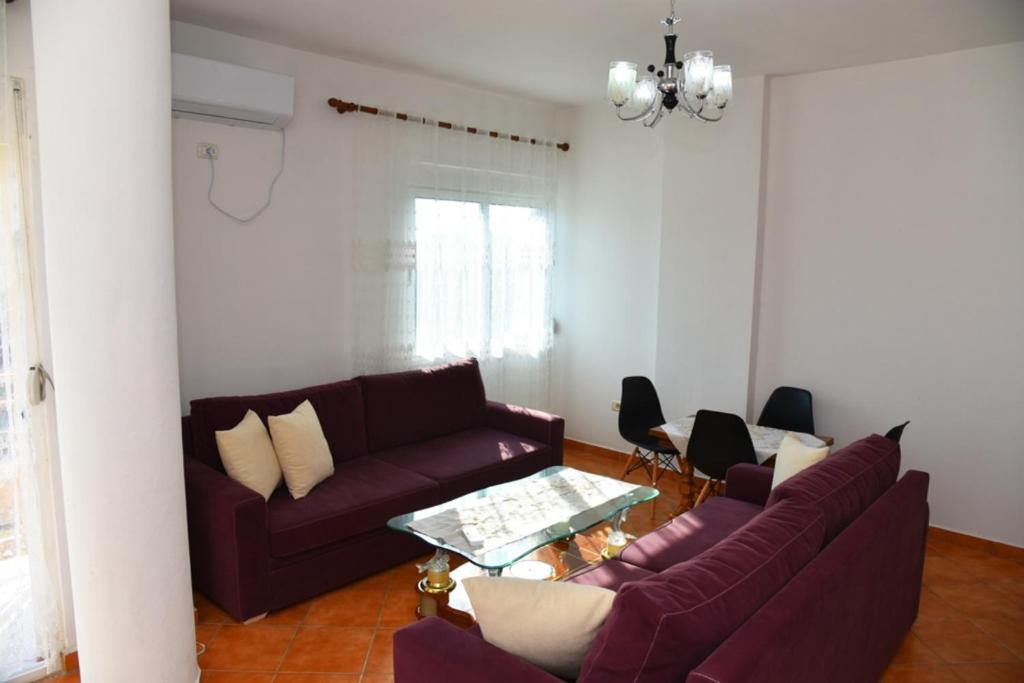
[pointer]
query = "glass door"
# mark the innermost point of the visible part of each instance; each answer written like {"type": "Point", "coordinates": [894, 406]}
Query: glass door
{"type": "Point", "coordinates": [29, 618]}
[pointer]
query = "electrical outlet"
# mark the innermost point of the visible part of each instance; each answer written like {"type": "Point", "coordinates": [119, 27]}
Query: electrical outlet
{"type": "Point", "coordinates": [616, 406]}
{"type": "Point", "coordinates": [206, 150]}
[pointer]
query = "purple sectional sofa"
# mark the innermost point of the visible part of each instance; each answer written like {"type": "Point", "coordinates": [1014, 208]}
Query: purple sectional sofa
{"type": "Point", "coordinates": [400, 442]}
{"type": "Point", "coordinates": [816, 580]}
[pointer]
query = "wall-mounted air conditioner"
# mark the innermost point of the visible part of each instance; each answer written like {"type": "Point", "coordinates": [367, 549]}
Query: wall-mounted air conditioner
{"type": "Point", "coordinates": [227, 93]}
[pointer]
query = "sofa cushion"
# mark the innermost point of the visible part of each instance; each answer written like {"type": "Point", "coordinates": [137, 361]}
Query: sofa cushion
{"type": "Point", "coordinates": [663, 626]}
{"type": "Point", "coordinates": [611, 574]}
{"type": "Point", "coordinates": [690, 534]}
{"type": "Point", "coordinates": [361, 495]}
{"type": "Point", "coordinates": [248, 455]}
{"type": "Point", "coordinates": [845, 483]}
{"type": "Point", "coordinates": [405, 407]}
{"type": "Point", "coordinates": [339, 407]}
{"type": "Point", "coordinates": [470, 459]}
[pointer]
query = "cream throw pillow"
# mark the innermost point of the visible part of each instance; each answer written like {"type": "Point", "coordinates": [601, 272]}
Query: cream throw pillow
{"type": "Point", "coordinates": [794, 456]}
{"type": "Point", "coordinates": [548, 623]}
{"type": "Point", "coordinates": [248, 455]}
{"type": "Point", "coordinates": [301, 449]}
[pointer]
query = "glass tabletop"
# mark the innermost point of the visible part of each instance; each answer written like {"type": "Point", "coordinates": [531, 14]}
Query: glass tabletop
{"type": "Point", "coordinates": [521, 505]}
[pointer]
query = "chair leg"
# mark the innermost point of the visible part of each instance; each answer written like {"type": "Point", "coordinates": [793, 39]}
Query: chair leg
{"type": "Point", "coordinates": [629, 462]}
{"type": "Point", "coordinates": [704, 492]}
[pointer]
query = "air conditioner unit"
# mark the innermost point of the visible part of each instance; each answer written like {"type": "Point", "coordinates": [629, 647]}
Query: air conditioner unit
{"type": "Point", "coordinates": [227, 93]}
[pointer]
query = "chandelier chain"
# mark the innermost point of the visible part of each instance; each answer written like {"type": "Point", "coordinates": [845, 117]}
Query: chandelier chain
{"type": "Point", "coordinates": [671, 20]}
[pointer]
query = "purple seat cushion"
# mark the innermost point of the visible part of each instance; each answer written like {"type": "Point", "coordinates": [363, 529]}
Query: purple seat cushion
{"type": "Point", "coordinates": [844, 484]}
{"type": "Point", "coordinates": [339, 407]}
{"type": "Point", "coordinates": [663, 626]}
{"type": "Point", "coordinates": [361, 495]}
{"type": "Point", "coordinates": [690, 534]}
{"type": "Point", "coordinates": [470, 459]}
{"type": "Point", "coordinates": [611, 575]}
{"type": "Point", "coordinates": [404, 407]}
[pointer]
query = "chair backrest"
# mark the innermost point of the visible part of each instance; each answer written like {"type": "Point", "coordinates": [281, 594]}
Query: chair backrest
{"type": "Point", "coordinates": [896, 433]}
{"type": "Point", "coordinates": [788, 408]}
{"type": "Point", "coordinates": [639, 408]}
{"type": "Point", "coordinates": [717, 442]}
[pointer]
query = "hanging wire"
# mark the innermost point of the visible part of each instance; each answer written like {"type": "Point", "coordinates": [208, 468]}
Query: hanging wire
{"type": "Point", "coordinates": [270, 190]}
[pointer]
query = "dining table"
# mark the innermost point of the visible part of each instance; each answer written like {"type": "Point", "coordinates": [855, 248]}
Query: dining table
{"type": "Point", "coordinates": [766, 440]}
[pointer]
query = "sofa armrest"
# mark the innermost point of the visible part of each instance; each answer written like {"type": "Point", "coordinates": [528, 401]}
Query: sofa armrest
{"type": "Point", "coordinates": [228, 537]}
{"type": "Point", "coordinates": [533, 424]}
{"type": "Point", "coordinates": [749, 483]}
{"type": "Point", "coordinates": [434, 651]}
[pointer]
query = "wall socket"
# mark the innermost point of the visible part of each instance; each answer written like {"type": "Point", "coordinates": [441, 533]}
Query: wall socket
{"type": "Point", "coordinates": [616, 406]}
{"type": "Point", "coordinates": [206, 150]}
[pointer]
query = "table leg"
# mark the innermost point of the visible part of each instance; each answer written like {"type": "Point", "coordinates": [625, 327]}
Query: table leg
{"type": "Point", "coordinates": [691, 484]}
{"type": "Point", "coordinates": [435, 591]}
{"type": "Point", "coordinates": [494, 572]}
{"type": "Point", "coordinates": [629, 463]}
{"type": "Point", "coordinates": [616, 541]}
{"type": "Point", "coordinates": [618, 520]}
{"type": "Point", "coordinates": [686, 499]}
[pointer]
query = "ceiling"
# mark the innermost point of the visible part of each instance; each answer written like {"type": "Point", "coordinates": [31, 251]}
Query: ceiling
{"type": "Point", "coordinates": [558, 50]}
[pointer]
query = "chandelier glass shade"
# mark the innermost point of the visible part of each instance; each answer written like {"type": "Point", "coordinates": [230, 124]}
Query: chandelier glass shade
{"type": "Point", "coordinates": [693, 84]}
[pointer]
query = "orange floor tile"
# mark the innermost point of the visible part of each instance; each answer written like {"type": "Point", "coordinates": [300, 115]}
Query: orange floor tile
{"type": "Point", "coordinates": [970, 626]}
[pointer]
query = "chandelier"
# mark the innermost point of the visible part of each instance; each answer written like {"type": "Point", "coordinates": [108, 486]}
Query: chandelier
{"type": "Point", "coordinates": [695, 84]}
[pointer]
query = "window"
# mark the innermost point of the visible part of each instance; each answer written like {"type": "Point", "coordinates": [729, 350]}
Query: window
{"type": "Point", "coordinates": [481, 279]}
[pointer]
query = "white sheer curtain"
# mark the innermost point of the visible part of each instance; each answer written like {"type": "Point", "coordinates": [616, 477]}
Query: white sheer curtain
{"type": "Point", "coordinates": [30, 625]}
{"type": "Point", "coordinates": [453, 252]}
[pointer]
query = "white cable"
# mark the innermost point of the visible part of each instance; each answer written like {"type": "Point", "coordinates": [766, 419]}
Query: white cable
{"type": "Point", "coordinates": [270, 191]}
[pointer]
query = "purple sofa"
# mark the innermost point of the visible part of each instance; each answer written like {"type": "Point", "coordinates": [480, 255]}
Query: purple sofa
{"type": "Point", "coordinates": [400, 442]}
{"type": "Point", "coordinates": [816, 580]}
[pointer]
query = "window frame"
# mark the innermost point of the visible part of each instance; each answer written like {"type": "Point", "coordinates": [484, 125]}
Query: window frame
{"type": "Point", "coordinates": [484, 200]}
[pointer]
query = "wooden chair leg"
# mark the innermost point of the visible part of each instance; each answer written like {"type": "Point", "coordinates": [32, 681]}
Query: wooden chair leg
{"type": "Point", "coordinates": [708, 485]}
{"type": "Point", "coordinates": [654, 479]}
{"type": "Point", "coordinates": [629, 463]}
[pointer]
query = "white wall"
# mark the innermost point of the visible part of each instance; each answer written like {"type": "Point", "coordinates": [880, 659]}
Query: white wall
{"type": "Point", "coordinates": [105, 170]}
{"type": "Point", "coordinates": [606, 286]}
{"type": "Point", "coordinates": [656, 263]}
{"type": "Point", "coordinates": [892, 274]}
{"type": "Point", "coordinates": [266, 306]}
{"type": "Point", "coordinates": [708, 255]}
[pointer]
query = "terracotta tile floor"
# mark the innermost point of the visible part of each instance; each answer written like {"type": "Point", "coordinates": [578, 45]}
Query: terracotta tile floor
{"type": "Point", "coordinates": [970, 627]}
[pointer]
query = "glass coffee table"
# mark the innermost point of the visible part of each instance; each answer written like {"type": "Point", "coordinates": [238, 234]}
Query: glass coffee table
{"type": "Point", "coordinates": [496, 527]}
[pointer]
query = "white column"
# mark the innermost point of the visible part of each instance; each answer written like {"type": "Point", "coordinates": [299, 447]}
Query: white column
{"type": "Point", "coordinates": [103, 78]}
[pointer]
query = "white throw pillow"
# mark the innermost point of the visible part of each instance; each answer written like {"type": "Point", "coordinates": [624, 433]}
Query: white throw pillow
{"type": "Point", "coordinates": [248, 455]}
{"type": "Point", "coordinates": [301, 449]}
{"type": "Point", "coordinates": [548, 623]}
{"type": "Point", "coordinates": [794, 456]}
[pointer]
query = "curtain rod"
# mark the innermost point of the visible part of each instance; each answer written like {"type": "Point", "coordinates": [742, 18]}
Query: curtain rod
{"type": "Point", "coordinates": [342, 107]}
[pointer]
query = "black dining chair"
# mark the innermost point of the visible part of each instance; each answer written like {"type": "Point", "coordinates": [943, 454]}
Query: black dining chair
{"type": "Point", "coordinates": [788, 408]}
{"type": "Point", "coordinates": [896, 433]}
{"type": "Point", "coordinates": [717, 442]}
{"type": "Point", "coordinates": [639, 410]}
